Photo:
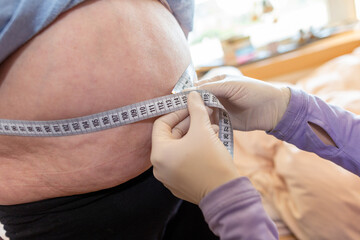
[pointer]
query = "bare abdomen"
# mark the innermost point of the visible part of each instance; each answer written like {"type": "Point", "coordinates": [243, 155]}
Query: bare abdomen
{"type": "Point", "coordinates": [98, 56]}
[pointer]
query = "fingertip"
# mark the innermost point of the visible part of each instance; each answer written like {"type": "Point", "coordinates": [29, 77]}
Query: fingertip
{"type": "Point", "coordinates": [173, 118]}
{"type": "Point", "coordinates": [196, 84]}
{"type": "Point", "coordinates": [197, 110]}
{"type": "Point", "coordinates": [194, 95]}
{"type": "Point", "coordinates": [159, 130]}
{"type": "Point", "coordinates": [200, 83]}
{"type": "Point", "coordinates": [212, 79]}
{"type": "Point", "coordinates": [216, 128]}
{"type": "Point", "coordinates": [209, 110]}
{"type": "Point", "coordinates": [162, 127]}
{"type": "Point", "coordinates": [190, 89]}
{"type": "Point", "coordinates": [195, 99]}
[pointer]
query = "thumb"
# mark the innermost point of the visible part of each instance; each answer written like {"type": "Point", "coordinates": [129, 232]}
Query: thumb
{"type": "Point", "coordinates": [162, 128]}
{"type": "Point", "coordinates": [197, 110]}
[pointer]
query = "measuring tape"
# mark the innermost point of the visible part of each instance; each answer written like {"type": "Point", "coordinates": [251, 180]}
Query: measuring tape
{"type": "Point", "coordinates": [124, 115]}
{"type": "Point", "coordinates": [186, 80]}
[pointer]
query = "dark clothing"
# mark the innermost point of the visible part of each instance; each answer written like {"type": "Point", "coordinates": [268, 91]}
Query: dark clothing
{"type": "Point", "coordinates": [138, 209]}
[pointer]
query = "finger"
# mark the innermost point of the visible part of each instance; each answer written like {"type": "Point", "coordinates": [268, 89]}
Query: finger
{"type": "Point", "coordinates": [183, 127]}
{"type": "Point", "coordinates": [172, 119]}
{"type": "Point", "coordinates": [214, 117]}
{"type": "Point", "coordinates": [215, 128]}
{"type": "Point", "coordinates": [221, 89]}
{"type": "Point", "coordinates": [197, 110]}
{"type": "Point", "coordinates": [163, 126]}
{"type": "Point", "coordinates": [210, 80]}
{"type": "Point", "coordinates": [189, 89]}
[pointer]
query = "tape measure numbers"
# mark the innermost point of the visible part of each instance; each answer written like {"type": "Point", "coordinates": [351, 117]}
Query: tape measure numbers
{"type": "Point", "coordinates": [122, 116]}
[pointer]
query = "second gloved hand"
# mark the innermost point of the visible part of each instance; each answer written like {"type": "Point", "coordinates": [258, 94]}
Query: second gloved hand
{"type": "Point", "coordinates": [252, 104]}
{"type": "Point", "coordinates": [193, 164]}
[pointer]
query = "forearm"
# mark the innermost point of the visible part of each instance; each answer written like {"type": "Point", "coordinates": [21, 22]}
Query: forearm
{"type": "Point", "coordinates": [234, 211]}
{"type": "Point", "coordinates": [342, 128]}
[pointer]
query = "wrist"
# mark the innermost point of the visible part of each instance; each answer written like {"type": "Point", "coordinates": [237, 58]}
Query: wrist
{"type": "Point", "coordinates": [223, 178]}
{"type": "Point", "coordinates": [284, 99]}
{"type": "Point", "coordinates": [223, 185]}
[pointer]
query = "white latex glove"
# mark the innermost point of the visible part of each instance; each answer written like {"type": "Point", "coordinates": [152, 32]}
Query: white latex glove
{"type": "Point", "coordinates": [252, 104]}
{"type": "Point", "coordinates": [190, 163]}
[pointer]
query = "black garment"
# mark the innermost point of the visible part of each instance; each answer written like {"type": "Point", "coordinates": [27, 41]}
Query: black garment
{"type": "Point", "coordinates": [138, 209]}
{"type": "Point", "coordinates": [188, 224]}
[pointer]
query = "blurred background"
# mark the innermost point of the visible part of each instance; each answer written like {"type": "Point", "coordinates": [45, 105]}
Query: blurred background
{"type": "Point", "coordinates": [236, 32]}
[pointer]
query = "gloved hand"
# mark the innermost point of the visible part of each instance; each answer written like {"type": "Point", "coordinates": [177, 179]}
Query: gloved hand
{"type": "Point", "coordinates": [252, 104]}
{"type": "Point", "coordinates": [190, 163]}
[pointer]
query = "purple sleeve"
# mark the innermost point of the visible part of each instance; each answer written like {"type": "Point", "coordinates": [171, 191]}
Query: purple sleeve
{"type": "Point", "coordinates": [342, 126]}
{"type": "Point", "coordinates": [234, 211]}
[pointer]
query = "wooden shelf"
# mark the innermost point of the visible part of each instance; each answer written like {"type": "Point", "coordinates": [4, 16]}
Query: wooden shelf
{"type": "Point", "coordinates": [309, 56]}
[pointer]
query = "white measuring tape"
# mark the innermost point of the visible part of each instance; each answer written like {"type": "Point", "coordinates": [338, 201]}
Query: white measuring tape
{"type": "Point", "coordinates": [124, 115]}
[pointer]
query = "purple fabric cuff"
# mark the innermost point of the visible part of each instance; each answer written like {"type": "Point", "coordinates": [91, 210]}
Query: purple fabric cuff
{"type": "Point", "coordinates": [226, 194]}
{"type": "Point", "coordinates": [234, 211]}
{"type": "Point", "coordinates": [342, 126]}
{"type": "Point", "coordinates": [294, 116]}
